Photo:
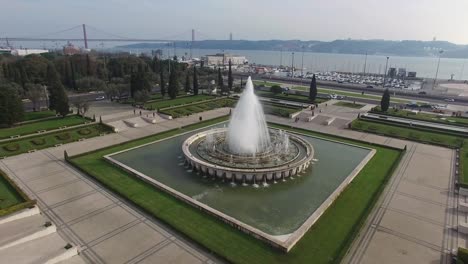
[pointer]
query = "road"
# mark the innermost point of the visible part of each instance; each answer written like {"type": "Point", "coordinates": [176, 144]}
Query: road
{"type": "Point", "coordinates": [28, 106]}
{"type": "Point", "coordinates": [408, 95]}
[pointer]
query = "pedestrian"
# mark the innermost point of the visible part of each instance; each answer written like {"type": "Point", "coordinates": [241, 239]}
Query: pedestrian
{"type": "Point", "coordinates": [140, 112]}
{"type": "Point", "coordinates": [134, 111]}
{"type": "Point", "coordinates": [200, 118]}
{"type": "Point", "coordinates": [153, 114]}
{"type": "Point", "coordinates": [313, 113]}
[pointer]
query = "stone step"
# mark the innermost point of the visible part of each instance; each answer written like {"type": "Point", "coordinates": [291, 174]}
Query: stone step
{"type": "Point", "coordinates": [49, 249]}
{"type": "Point", "coordinates": [118, 126]}
{"type": "Point", "coordinates": [73, 260]}
{"type": "Point", "coordinates": [136, 122]}
{"type": "Point", "coordinates": [20, 214]}
{"type": "Point", "coordinates": [23, 230]}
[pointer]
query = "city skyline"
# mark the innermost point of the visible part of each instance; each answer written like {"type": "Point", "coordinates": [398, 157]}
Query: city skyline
{"type": "Point", "coordinates": [304, 20]}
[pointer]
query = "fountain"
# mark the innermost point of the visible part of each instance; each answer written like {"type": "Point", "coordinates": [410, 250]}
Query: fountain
{"type": "Point", "coordinates": [247, 150]}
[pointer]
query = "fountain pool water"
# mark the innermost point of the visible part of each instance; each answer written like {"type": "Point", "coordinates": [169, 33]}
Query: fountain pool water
{"type": "Point", "coordinates": [247, 151]}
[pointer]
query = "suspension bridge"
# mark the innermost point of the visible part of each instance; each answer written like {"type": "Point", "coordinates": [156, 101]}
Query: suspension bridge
{"type": "Point", "coordinates": [82, 33]}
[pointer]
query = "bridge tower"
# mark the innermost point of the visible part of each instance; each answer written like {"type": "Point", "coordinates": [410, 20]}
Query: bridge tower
{"type": "Point", "coordinates": [85, 37]}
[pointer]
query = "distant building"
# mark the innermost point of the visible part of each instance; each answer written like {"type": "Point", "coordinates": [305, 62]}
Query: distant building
{"type": "Point", "coordinates": [392, 72]}
{"type": "Point", "coordinates": [412, 74]}
{"type": "Point", "coordinates": [70, 49]}
{"type": "Point", "coordinates": [402, 72]}
{"type": "Point", "coordinates": [24, 52]}
{"type": "Point", "coordinates": [223, 59]}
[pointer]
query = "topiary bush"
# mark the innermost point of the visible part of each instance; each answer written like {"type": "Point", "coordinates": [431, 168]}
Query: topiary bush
{"type": "Point", "coordinates": [11, 147]}
{"type": "Point", "coordinates": [64, 136]}
{"type": "Point", "coordinates": [84, 131]}
{"type": "Point", "coordinates": [38, 141]}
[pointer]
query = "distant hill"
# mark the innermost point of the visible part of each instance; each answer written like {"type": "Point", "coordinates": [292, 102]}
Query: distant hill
{"type": "Point", "coordinates": [399, 48]}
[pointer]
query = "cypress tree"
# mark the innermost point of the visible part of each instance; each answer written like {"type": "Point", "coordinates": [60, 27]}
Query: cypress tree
{"type": "Point", "coordinates": [73, 78]}
{"type": "Point", "coordinates": [88, 65]}
{"type": "Point", "coordinates": [385, 102]}
{"type": "Point", "coordinates": [313, 89]}
{"type": "Point", "coordinates": [230, 79]}
{"type": "Point", "coordinates": [220, 81]}
{"type": "Point", "coordinates": [163, 82]}
{"type": "Point", "coordinates": [195, 81]}
{"type": "Point", "coordinates": [173, 85]}
{"type": "Point", "coordinates": [58, 99]}
{"type": "Point", "coordinates": [187, 83]}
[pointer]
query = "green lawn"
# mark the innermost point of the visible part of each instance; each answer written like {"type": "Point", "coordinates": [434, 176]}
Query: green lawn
{"type": "Point", "coordinates": [463, 176]}
{"type": "Point", "coordinates": [49, 124]}
{"type": "Point", "coordinates": [415, 134]}
{"type": "Point", "coordinates": [8, 195]}
{"type": "Point", "coordinates": [180, 111]}
{"type": "Point", "coordinates": [460, 121]}
{"type": "Point", "coordinates": [349, 104]}
{"type": "Point", "coordinates": [18, 146]}
{"type": "Point", "coordinates": [325, 242]}
{"type": "Point", "coordinates": [163, 103]}
{"type": "Point", "coordinates": [289, 97]}
{"type": "Point", "coordinates": [279, 109]}
{"type": "Point", "coordinates": [29, 116]}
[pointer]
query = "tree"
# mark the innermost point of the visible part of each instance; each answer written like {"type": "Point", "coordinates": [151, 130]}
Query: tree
{"type": "Point", "coordinates": [72, 73]}
{"type": "Point", "coordinates": [90, 83]}
{"type": "Point", "coordinates": [313, 90]}
{"type": "Point", "coordinates": [139, 81]}
{"type": "Point", "coordinates": [221, 82]}
{"type": "Point", "coordinates": [58, 99]}
{"type": "Point", "coordinates": [35, 93]}
{"type": "Point", "coordinates": [11, 107]}
{"type": "Point", "coordinates": [162, 81]}
{"type": "Point", "coordinates": [276, 89]}
{"type": "Point", "coordinates": [195, 81]}
{"type": "Point", "coordinates": [82, 106]}
{"type": "Point", "coordinates": [385, 102]}
{"type": "Point", "coordinates": [230, 79]}
{"type": "Point", "coordinates": [142, 96]}
{"type": "Point", "coordinates": [111, 91]}
{"type": "Point", "coordinates": [173, 85]}
{"type": "Point", "coordinates": [187, 83]}
{"type": "Point", "coordinates": [62, 103]}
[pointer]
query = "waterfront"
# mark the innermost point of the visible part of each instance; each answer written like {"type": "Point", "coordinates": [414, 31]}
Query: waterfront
{"type": "Point", "coordinates": [424, 66]}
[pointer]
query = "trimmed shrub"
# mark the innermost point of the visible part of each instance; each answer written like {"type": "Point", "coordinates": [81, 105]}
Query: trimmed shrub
{"type": "Point", "coordinates": [11, 147]}
{"type": "Point", "coordinates": [38, 141]}
{"type": "Point", "coordinates": [84, 131]}
{"type": "Point", "coordinates": [64, 136]}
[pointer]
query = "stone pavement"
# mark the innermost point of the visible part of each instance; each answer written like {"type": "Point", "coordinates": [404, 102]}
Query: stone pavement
{"type": "Point", "coordinates": [104, 226]}
{"type": "Point", "coordinates": [414, 217]}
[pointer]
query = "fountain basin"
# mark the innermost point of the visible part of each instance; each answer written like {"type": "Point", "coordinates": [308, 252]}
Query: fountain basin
{"type": "Point", "coordinates": [267, 166]}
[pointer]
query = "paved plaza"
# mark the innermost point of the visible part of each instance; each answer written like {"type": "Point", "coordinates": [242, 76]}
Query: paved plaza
{"type": "Point", "coordinates": [410, 224]}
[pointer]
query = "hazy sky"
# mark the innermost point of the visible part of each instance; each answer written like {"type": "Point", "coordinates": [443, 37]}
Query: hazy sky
{"type": "Point", "coordinates": [246, 19]}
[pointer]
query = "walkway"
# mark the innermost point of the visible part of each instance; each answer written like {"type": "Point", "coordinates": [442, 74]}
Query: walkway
{"type": "Point", "coordinates": [104, 226]}
{"type": "Point", "coordinates": [413, 219]}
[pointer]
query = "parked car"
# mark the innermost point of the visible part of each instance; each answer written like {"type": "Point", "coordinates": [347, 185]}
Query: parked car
{"type": "Point", "coordinates": [449, 100]}
{"type": "Point", "coordinates": [422, 92]}
{"type": "Point", "coordinates": [369, 86]}
{"type": "Point", "coordinates": [100, 98]}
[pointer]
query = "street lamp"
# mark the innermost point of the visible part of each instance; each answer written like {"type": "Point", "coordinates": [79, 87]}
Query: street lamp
{"type": "Point", "coordinates": [302, 64]}
{"type": "Point", "coordinates": [385, 72]}
{"type": "Point", "coordinates": [365, 64]}
{"type": "Point", "coordinates": [292, 66]}
{"type": "Point", "coordinates": [437, 70]}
